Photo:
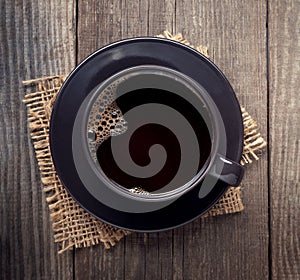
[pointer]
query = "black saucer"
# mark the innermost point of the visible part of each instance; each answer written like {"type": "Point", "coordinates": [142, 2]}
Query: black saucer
{"type": "Point", "coordinates": [110, 60]}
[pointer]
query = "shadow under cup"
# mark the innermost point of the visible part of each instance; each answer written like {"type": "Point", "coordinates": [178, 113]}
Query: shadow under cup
{"type": "Point", "coordinates": [150, 134]}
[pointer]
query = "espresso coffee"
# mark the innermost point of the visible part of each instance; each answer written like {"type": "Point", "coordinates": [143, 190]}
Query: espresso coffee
{"type": "Point", "coordinates": [148, 135]}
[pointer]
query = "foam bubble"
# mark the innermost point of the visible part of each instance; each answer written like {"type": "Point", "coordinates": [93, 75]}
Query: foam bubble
{"type": "Point", "coordinates": [105, 119]}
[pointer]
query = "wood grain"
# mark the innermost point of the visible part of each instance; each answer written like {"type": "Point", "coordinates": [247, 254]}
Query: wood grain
{"type": "Point", "coordinates": [37, 38]}
{"type": "Point", "coordinates": [284, 57]}
{"type": "Point", "coordinates": [162, 16]}
{"type": "Point", "coordinates": [233, 246]}
{"type": "Point", "coordinates": [99, 23]}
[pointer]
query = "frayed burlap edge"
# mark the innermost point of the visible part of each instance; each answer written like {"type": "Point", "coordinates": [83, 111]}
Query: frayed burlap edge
{"type": "Point", "coordinates": [178, 37]}
{"type": "Point", "coordinates": [71, 224]}
{"type": "Point", "coordinates": [253, 141]}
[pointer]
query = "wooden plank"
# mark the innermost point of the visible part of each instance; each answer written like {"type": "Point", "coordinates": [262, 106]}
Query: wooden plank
{"type": "Point", "coordinates": [154, 256]}
{"type": "Point", "coordinates": [233, 246]}
{"type": "Point", "coordinates": [162, 17]}
{"type": "Point", "coordinates": [150, 256]}
{"type": "Point", "coordinates": [163, 250]}
{"type": "Point", "coordinates": [99, 263]}
{"type": "Point", "coordinates": [36, 39]}
{"type": "Point", "coordinates": [136, 23]}
{"type": "Point", "coordinates": [100, 23]}
{"type": "Point", "coordinates": [284, 46]}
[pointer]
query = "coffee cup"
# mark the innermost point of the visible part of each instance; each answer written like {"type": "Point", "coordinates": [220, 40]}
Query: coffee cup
{"type": "Point", "coordinates": [146, 136]}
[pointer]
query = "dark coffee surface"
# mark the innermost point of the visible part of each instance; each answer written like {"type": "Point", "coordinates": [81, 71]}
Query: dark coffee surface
{"type": "Point", "coordinates": [147, 135]}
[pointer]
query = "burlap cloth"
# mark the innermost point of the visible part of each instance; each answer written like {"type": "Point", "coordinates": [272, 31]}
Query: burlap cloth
{"type": "Point", "coordinates": [72, 225]}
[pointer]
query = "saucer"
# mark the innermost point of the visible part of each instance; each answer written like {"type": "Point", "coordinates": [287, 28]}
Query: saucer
{"type": "Point", "coordinates": [103, 64]}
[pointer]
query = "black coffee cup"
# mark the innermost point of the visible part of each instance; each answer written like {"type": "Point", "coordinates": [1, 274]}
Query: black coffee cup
{"type": "Point", "coordinates": [146, 136]}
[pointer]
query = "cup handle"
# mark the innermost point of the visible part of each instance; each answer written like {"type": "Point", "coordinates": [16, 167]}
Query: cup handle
{"type": "Point", "coordinates": [227, 171]}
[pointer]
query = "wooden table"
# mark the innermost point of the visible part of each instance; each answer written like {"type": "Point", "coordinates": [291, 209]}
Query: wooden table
{"type": "Point", "coordinates": [256, 44]}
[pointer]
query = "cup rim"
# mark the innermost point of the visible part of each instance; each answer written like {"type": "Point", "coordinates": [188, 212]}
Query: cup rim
{"type": "Point", "coordinates": [169, 195]}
